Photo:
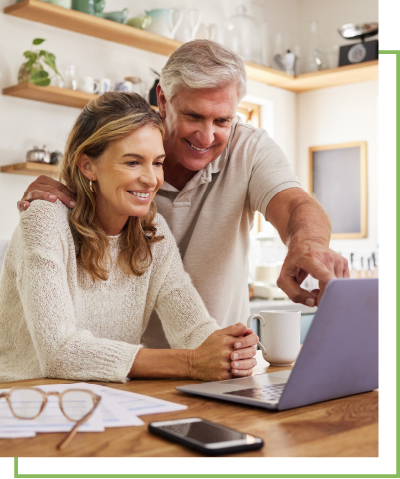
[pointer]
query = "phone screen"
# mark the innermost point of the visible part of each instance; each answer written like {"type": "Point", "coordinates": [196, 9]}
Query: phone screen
{"type": "Point", "coordinates": [204, 432]}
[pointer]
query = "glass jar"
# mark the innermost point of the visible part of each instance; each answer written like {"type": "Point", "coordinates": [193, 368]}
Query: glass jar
{"type": "Point", "coordinates": [242, 33]}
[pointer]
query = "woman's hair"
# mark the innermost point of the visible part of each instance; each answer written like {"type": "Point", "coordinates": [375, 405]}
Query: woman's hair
{"type": "Point", "coordinates": [108, 118]}
{"type": "Point", "coordinates": [202, 64]}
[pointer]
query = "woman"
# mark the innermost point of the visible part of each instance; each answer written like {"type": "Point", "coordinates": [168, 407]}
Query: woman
{"type": "Point", "coordinates": [77, 287]}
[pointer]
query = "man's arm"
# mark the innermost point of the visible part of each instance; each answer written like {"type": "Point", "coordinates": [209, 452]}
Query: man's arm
{"type": "Point", "coordinates": [305, 228]}
{"type": "Point", "coordinates": [46, 188]}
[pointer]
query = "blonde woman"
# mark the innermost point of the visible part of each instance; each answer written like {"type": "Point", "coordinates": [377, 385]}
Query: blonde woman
{"type": "Point", "coordinates": [77, 287]}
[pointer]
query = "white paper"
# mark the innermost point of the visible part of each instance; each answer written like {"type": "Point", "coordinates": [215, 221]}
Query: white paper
{"type": "Point", "coordinates": [137, 404]}
{"type": "Point", "coordinates": [6, 434]}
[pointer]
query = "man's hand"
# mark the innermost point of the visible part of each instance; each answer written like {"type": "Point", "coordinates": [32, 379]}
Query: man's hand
{"type": "Point", "coordinates": [306, 258]}
{"type": "Point", "coordinates": [225, 353]}
{"type": "Point", "coordinates": [304, 226]}
{"type": "Point", "coordinates": [46, 188]}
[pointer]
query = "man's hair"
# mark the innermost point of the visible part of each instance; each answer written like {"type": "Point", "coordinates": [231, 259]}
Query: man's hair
{"type": "Point", "coordinates": [106, 119]}
{"type": "Point", "coordinates": [202, 64]}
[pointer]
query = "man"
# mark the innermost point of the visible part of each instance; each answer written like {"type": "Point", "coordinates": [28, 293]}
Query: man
{"type": "Point", "coordinates": [218, 172]}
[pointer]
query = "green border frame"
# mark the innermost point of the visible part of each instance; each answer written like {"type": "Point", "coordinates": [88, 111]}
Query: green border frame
{"type": "Point", "coordinates": [129, 476]}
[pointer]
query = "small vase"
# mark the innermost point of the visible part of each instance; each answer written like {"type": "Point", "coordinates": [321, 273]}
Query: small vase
{"type": "Point", "coordinates": [24, 73]}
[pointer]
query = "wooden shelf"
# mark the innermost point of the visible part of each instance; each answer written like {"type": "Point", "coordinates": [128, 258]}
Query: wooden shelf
{"type": "Point", "coordinates": [50, 94]}
{"type": "Point", "coordinates": [30, 168]}
{"type": "Point", "coordinates": [346, 75]}
{"type": "Point", "coordinates": [79, 22]}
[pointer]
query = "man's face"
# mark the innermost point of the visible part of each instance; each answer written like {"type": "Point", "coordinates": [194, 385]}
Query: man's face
{"type": "Point", "coordinates": [197, 125]}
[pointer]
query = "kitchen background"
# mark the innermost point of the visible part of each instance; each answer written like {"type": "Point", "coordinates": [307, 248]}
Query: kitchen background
{"type": "Point", "coordinates": [296, 121]}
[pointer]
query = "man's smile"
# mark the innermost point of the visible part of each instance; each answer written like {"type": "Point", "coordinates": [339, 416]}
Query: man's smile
{"type": "Point", "coordinates": [196, 148]}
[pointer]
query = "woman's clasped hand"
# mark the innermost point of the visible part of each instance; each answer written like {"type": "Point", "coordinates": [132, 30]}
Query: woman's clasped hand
{"type": "Point", "coordinates": [235, 346]}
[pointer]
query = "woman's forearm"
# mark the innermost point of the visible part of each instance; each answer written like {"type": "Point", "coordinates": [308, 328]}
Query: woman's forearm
{"type": "Point", "coordinates": [161, 363]}
{"type": "Point", "coordinates": [224, 354]}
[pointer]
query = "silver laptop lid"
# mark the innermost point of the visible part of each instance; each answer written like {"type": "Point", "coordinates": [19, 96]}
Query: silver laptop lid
{"type": "Point", "coordinates": [339, 356]}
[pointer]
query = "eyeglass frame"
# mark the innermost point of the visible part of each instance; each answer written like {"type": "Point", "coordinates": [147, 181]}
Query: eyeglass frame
{"type": "Point", "coordinates": [96, 400]}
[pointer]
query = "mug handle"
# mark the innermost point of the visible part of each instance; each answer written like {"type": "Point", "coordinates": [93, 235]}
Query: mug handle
{"type": "Point", "coordinates": [212, 32]}
{"type": "Point", "coordinates": [195, 18]}
{"type": "Point", "coordinates": [175, 25]}
{"type": "Point", "coordinates": [262, 321]}
{"type": "Point", "coordinates": [96, 87]}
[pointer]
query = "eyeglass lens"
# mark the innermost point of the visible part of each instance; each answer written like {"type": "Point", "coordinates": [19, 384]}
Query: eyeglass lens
{"type": "Point", "coordinates": [76, 404]}
{"type": "Point", "coordinates": [26, 403]}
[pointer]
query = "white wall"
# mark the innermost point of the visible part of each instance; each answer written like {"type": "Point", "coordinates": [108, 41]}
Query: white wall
{"type": "Point", "coordinates": [341, 115]}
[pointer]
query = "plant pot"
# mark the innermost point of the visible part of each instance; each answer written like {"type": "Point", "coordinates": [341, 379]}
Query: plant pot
{"type": "Point", "coordinates": [24, 73]}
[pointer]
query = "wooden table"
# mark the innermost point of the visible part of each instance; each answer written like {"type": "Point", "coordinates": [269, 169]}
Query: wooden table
{"type": "Point", "coordinates": [342, 427]}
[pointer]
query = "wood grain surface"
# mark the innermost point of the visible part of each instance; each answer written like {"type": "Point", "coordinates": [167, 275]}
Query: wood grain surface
{"type": "Point", "coordinates": [338, 428]}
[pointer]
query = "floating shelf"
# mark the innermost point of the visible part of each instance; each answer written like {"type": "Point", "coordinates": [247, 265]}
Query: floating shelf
{"type": "Point", "coordinates": [50, 94]}
{"type": "Point", "coordinates": [30, 168]}
{"type": "Point", "coordinates": [346, 75]}
{"type": "Point", "coordinates": [39, 11]}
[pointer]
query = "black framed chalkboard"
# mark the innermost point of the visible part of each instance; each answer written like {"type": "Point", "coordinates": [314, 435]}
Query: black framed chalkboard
{"type": "Point", "coordinates": [338, 179]}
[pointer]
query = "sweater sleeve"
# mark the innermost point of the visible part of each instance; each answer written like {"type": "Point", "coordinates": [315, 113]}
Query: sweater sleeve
{"type": "Point", "coordinates": [179, 306]}
{"type": "Point", "coordinates": [64, 351]}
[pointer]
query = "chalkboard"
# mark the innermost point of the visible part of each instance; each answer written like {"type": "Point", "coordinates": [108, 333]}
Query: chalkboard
{"type": "Point", "coordinates": [338, 179]}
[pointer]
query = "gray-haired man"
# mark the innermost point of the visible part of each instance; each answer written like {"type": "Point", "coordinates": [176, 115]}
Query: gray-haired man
{"type": "Point", "coordinates": [218, 173]}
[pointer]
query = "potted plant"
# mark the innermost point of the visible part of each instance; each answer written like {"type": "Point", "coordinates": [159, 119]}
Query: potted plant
{"type": "Point", "coordinates": [33, 70]}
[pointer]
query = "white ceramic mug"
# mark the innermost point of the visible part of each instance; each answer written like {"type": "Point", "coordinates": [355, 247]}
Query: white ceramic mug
{"type": "Point", "coordinates": [104, 85]}
{"type": "Point", "coordinates": [279, 335]}
{"type": "Point", "coordinates": [124, 86]}
{"type": "Point", "coordinates": [88, 84]}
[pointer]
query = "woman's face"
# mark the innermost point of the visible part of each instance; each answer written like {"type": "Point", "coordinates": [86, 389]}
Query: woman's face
{"type": "Point", "coordinates": [127, 177]}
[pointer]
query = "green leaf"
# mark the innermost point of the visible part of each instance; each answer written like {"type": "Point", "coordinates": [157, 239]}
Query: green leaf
{"type": "Point", "coordinates": [30, 55]}
{"type": "Point", "coordinates": [50, 60]}
{"type": "Point", "coordinates": [39, 75]}
{"type": "Point", "coordinates": [41, 82]}
{"type": "Point", "coordinates": [38, 41]}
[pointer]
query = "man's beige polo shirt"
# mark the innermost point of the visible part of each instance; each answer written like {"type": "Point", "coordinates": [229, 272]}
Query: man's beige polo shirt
{"type": "Point", "coordinates": [212, 216]}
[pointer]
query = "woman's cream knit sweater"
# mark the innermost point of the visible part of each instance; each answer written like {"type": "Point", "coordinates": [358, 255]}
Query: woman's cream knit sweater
{"type": "Point", "coordinates": [56, 322]}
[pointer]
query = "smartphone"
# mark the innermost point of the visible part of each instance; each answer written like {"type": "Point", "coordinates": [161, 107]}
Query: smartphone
{"type": "Point", "coordinates": [205, 436]}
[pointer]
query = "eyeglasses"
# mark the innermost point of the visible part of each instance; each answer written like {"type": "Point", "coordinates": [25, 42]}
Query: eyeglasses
{"type": "Point", "coordinates": [77, 405]}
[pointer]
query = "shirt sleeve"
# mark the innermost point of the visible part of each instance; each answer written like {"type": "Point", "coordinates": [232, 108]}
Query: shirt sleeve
{"type": "Point", "coordinates": [183, 315]}
{"type": "Point", "coordinates": [271, 172]}
{"type": "Point", "coordinates": [64, 351]}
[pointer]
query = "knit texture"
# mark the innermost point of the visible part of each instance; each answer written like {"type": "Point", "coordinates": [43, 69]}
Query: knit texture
{"type": "Point", "coordinates": [56, 322]}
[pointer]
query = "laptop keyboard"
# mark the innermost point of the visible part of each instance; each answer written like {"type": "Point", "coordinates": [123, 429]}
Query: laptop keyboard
{"type": "Point", "coordinates": [270, 393]}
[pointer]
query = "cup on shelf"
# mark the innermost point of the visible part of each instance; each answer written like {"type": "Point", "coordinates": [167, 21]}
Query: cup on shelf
{"type": "Point", "coordinates": [124, 86]}
{"type": "Point", "coordinates": [333, 56]}
{"type": "Point", "coordinates": [69, 76]}
{"type": "Point", "coordinates": [104, 85]}
{"type": "Point", "coordinates": [88, 84]}
{"type": "Point", "coordinates": [61, 3]}
{"type": "Point", "coordinates": [92, 7]}
{"type": "Point", "coordinates": [139, 22]}
{"type": "Point", "coordinates": [138, 85]}
{"type": "Point", "coordinates": [120, 16]}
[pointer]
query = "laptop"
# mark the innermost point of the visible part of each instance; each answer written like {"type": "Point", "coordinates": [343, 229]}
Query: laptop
{"type": "Point", "coordinates": [339, 356]}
